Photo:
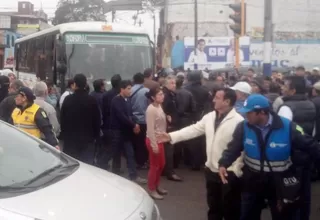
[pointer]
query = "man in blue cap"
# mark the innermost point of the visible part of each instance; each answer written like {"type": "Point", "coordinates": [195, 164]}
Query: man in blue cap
{"type": "Point", "coordinates": [268, 142]}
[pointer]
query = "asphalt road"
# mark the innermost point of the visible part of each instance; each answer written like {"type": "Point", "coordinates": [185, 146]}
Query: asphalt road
{"type": "Point", "coordinates": [187, 200]}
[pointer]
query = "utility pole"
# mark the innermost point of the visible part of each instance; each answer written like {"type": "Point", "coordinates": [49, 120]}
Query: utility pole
{"type": "Point", "coordinates": [155, 40]}
{"type": "Point", "coordinates": [267, 37]}
{"type": "Point", "coordinates": [113, 15]}
{"type": "Point", "coordinates": [195, 33]}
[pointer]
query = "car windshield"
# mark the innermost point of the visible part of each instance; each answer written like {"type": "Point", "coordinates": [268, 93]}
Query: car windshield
{"type": "Point", "coordinates": [100, 56]}
{"type": "Point", "coordinates": [24, 159]}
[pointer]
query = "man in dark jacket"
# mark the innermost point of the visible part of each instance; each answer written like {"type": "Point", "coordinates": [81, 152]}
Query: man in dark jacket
{"type": "Point", "coordinates": [170, 108]}
{"type": "Point", "coordinates": [106, 101]}
{"type": "Point", "coordinates": [268, 143]}
{"type": "Point", "coordinates": [316, 102]}
{"type": "Point", "coordinates": [104, 151]}
{"type": "Point", "coordinates": [122, 128]}
{"type": "Point", "coordinates": [98, 91]}
{"type": "Point", "coordinates": [8, 104]}
{"type": "Point", "coordinates": [299, 109]}
{"type": "Point", "coordinates": [80, 122]}
{"type": "Point", "coordinates": [203, 101]}
{"type": "Point", "coordinates": [186, 108]}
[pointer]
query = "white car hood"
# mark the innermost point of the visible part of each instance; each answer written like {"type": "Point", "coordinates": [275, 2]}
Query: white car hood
{"type": "Point", "coordinates": [88, 193]}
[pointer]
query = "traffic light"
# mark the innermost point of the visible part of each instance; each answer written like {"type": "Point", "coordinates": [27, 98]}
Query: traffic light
{"type": "Point", "coordinates": [239, 18]}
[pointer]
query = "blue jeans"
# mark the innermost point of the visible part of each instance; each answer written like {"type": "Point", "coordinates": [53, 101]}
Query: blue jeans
{"type": "Point", "coordinates": [122, 144]}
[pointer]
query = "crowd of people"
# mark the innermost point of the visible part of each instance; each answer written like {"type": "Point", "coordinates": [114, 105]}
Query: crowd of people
{"type": "Point", "coordinates": [256, 137]}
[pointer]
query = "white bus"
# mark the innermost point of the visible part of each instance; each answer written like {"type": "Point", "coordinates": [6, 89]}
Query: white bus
{"type": "Point", "coordinates": [96, 49]}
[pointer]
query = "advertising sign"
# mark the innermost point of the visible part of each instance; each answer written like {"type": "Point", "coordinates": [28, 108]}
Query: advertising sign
{"type": "Point", "coordinates": [215, 52]}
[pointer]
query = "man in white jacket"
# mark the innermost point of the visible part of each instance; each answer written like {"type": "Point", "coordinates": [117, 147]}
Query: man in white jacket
{"type": "Point", "coordinates": [224, 201]}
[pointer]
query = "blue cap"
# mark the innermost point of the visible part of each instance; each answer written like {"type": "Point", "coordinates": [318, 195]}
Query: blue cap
{"type": "Point", "coordinates": [27, 92]}
{"type": "Point", "coordinates": [255, 102]}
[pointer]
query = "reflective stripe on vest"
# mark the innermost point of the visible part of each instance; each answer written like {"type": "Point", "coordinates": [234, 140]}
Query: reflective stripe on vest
{"type": "Point", "coordinates": [278, 148]}
{"type": "Point", "coordinates": [277, 166]}
{"type": "Point", "coordinates": [26, 126]}
{"type": "Point", "coordinates": [26, 120]}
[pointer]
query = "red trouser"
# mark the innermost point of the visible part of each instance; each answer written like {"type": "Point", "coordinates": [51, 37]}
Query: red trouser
{"type": "Point", "coordinates": [157, 162]}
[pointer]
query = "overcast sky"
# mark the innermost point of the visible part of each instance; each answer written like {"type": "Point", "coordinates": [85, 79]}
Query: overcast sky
{"type": "Point", "coordinates": [49, 6]}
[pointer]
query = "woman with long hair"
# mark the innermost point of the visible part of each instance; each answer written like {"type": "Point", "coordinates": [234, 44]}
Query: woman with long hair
{"type": "Point", "coordinates": [156, 123]}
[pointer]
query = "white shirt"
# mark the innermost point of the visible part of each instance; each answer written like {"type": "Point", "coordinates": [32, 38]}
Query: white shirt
{"type": "Point", "coordinates": [285, 112]}
{"type": "Point", "coordinates": [231, 56]}
{"type": "Point", "coordinates": [217, 139]}
{"type": "Point", "coordinates": [201, 57]}
{"type": "Point", "coordinates": [64, 95]}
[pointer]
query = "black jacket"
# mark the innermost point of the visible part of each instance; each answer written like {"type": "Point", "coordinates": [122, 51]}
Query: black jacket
{"type": "Point", "coordinates": [186, 107]}
{"type": "Point", "coordinates": [7, 106]}
{"type": "Point", "coordinates": [304, 111]}
{"type": "Point", "coordinates": [170, 107]}
{"type": "Point", "coordinates": [316, 101]}
{"type": "Point", "coordinates": [121, 116]}
{"type": "Point", "coordinates": [202, 98]}
{"type": "Point", "coordinates": [106, 107]}
{"type": "Point", "coordinates": [301, 144]}
{"type": "Point", "coordinates": [80, 117]}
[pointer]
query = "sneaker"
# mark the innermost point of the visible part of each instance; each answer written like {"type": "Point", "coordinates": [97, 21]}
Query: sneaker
{"type": "Point", "coordinates": [140, 180]}
{"type": "Point", "coordinates": [162, 191]}
{"type": "Point", "coordinates": [155, 195]}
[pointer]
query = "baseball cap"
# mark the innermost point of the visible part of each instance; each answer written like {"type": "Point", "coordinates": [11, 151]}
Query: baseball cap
{"type": "Point", "coordinates": [316, 68]}
{"type": "Point", "coordinates": [317, 86]}
{"type": "Point", "coordinates": [27, 92]}
{"type": "Point", "coordinates": [255, 102]}
{"type": "Point", "coordinates": [242, 87]}
{"type": "Point", "coordinates": [205, 75]}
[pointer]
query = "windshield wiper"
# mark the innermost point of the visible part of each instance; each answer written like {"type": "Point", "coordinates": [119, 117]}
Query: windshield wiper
{"type": "Point", "coordinates": [43, 174]}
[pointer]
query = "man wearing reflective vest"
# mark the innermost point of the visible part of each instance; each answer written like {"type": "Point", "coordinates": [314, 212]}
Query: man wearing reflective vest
{"type": "Point", "coordinates": [269, 143]}
{"type": "Point", "coordinates": [32, 119]}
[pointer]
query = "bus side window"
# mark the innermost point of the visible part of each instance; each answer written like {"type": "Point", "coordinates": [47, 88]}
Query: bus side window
{"type": "Point", "coordinates": [40, 58]}
{"type": "Point", "coordinates": [23, 57]}
{"type": "Point", "coordinates": [49, 54]}
{"type": "Point", "coordinates": [31, 56]}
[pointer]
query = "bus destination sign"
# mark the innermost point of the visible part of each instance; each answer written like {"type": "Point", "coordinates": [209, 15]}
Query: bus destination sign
{"type": "Point", "coordinates": [123, 39]}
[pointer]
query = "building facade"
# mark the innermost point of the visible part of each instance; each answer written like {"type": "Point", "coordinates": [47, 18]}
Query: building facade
{"type": "Point", "coordinates": [7, 40]}
{"type": "Point", "coordinates": [296, 26]}
{"type": "Point", "coordinates": [14, 25]}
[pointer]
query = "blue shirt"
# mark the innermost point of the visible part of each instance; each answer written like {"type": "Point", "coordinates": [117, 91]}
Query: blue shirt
{"type": "Point", "coordinates": [239, 105]}
{"type": "Point", "coordinates": [266, 128]}
{"type": "Point", "coordinates": [139, 103]}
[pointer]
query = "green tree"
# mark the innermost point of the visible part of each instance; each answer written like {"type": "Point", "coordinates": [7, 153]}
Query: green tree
{"type": "Point", "coordinates": [79, 10]}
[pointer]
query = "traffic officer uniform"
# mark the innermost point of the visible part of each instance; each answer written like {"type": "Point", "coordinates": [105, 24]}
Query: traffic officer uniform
{"type": "Point", "coordinates": [277, 141]}
{"type": "Point", "coordinates": [32, 119]}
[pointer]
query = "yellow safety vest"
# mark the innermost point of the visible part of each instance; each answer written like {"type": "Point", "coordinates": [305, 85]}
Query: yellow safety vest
{"type": "Point", "coordinates": [26, 120]}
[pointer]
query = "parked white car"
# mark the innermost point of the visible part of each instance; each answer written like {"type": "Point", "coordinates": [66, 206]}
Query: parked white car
{"type": "Point", "coordinates": [37, 182]}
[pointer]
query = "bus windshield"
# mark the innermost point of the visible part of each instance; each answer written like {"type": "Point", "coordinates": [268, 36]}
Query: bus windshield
{"type": "Point", "coordinates": [100, 56]}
